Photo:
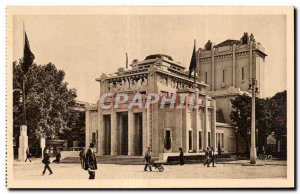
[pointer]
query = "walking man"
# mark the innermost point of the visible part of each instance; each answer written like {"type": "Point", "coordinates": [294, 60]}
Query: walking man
{"type": "Point", "coordinates": [212, 157]}
{"type": "Point", "coordinates": [82, 157]}
{"type": "Point", "coordinates": [27, 155]}
{"type": "Point", "coordinates": [46, 161]}
{"type": "Point", "coordinates": [206, 157]}
{"type": "Point", "coordinates": [181, 157]}
{"type": "Point", "coordinates": [91, 162]}
{"type": "Point", "coordinates": [147, 159]}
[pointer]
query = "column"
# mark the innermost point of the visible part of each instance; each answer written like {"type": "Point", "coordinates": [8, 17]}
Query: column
{"type": "Point", "coordinates": [114, 146]}
{"type": "Point", "coordinates": [233, 65]}
{"type": "Point", "coordinates": [87, 128]}
{"type": "Point", "coordinates": [196, 124]}
{"type": "Point", "coordinates": [185, 145]}
{"type": "Point", "coordinates": [131, 128]}
{"type": "Point", "coordinates": [146, 134]}
{"type": "Point", "coordinates": [205, 130]}
{"type": "Point", "coordinates": [101, 137]}
{"type": "Point", "coordinates": [23, 143]}
{"type": "Point", "coordinates": [212, 69]}
{"type": "Point", "coordinates": [250, 61]}
{"type": "Point", "coordinates": [147, 129]}
{"type": "Point", "coordinates": [213, 125]}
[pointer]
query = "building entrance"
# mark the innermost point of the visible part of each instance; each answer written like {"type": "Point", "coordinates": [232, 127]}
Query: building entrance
{"type": "Point", "coordinates": [122, 129]}
{"type": "Point", "coordinates": [107, 134]}
{"type": "Point", "coordinates": [138, 134]}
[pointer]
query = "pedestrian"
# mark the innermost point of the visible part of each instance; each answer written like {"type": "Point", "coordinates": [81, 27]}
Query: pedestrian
{"type": "Point", "coordinates": [206, 157]}
{"type": "Point", "coordinates": [212, 156]}
{"type": "Point", "coordinates": [147, 159]}
{"type": "Point", "coordinates": [57, 157]}
{"type": "Point", "coordinates": [46, 161]}
{"type": "Point", "coordinates": [27, 155]}
{"type": "Point", "coordinates": [181, 157]}
{"type": "Point", "coordinates": [91, 161]}
{"type": "Point", "coordinates": [82, 157]}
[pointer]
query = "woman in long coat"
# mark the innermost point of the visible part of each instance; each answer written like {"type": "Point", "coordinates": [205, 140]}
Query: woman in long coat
{"type": "Point", "coordinates": [91, 162]}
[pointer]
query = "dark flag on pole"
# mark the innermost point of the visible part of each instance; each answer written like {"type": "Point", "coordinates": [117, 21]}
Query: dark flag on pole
{"type": "Point", "coordinates": [28, 56]}
{"type": "Point", "coordinates": [126, 61]}
{"type": "Point", "coordinates": [193, 63]}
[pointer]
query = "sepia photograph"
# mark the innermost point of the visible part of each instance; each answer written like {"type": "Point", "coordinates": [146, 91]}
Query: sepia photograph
{"type": "Point", "coordinates": [150, 97]}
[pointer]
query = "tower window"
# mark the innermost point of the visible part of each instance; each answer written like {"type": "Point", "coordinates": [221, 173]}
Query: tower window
{"type": "Point", "coordinates": [205, 77]}
{"type": "Point", "coordinates": [208, 139]}
{"type": "Point", "coordinates": [242, 73]}
{"type": "Point", "coordinates": [223, 75]}
{"type": "Point", "coordinates": [200, 140]}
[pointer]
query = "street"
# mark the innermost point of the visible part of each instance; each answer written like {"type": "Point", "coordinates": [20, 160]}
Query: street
{"type": "Point", "coordinates": [234, 170]}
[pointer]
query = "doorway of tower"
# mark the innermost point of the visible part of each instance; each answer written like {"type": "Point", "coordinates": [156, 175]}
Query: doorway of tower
{"type": "Point", "coordinates": [122, 129]}
{"type": "Point", "coordinates": [138, 134]}
{"type": "Point", "coordinates": [107, 134]}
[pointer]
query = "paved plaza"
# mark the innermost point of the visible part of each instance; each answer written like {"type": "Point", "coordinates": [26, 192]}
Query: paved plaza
{"type": "Point", "coordinates": [234, 170]}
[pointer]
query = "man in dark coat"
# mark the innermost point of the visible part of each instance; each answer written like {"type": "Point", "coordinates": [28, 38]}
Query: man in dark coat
{"type": "Point", "coordinates": [46, 161]}
{"type": "Point", "coordinates": [212, 156]}
{"type": "Point", "coordinates": [207, 157]}
{"type": "Point", "coordinates": [27, 155]}
{"type": "Point", "coordinates": [91, 162]}
{"type": "Point", "coordinates": [82, 157]}
{"type": "Point", "coordinates": [147, 159]}
{"type": "Point", "coordinates": [181, 157]}
{"type": "Point", "coordinates": [57, 157]}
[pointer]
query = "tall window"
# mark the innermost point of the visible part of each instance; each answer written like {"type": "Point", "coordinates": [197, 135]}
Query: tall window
{"type": "Point", "coordinates": [168, 140]}
{"type": "Point", "coordinates": [190, 140]}
{"type": "Point", "coordinates": [208, 139]}
{"type": "Point", "coordinates": [223, 75]}
{"type": "Point", "coordinates": [222, 140]}
{"type": "Point", "coordinates": [205, 77]}
{"type": "Point", "coordinates": [242, 73]}
{"type": "Point", "coordinates": [200, 140]}
{"type": "Point", "coordinates": [219, 140]}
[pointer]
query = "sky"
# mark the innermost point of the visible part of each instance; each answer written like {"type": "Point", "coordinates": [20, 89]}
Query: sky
{"type": "Point", "coordinates": [85, 46]}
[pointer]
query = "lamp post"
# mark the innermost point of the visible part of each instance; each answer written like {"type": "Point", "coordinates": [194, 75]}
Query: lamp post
{"type": "Point", "coordinates": [254, 90]}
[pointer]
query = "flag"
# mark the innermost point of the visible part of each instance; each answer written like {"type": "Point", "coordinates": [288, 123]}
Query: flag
{"type": "Point", "coordinates": [193, 63]}
{"type": "Point", "coordinates": [126, 61]}
{"type": "Point", "coordinates": [28, 56]}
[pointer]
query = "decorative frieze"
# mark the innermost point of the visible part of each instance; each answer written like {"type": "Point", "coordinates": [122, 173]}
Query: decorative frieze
{"type": "Point", "coordinates": [133, 82]}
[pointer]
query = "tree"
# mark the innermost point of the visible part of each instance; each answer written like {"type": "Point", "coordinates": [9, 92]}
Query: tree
{"type": "Point", "coordinates": [278, 104]}
{"type": "Point", "coordinates": [48, 100]}
{"type": "Point", "coordinates": [270, 114]}
{"type": "Point", "coordinates": [241, 115]}
{"type": "Point", "coordinates": [76, 128]}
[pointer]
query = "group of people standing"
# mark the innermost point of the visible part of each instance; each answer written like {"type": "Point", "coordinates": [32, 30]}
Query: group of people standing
{"type": "Point", "coordinates": [210, 157]}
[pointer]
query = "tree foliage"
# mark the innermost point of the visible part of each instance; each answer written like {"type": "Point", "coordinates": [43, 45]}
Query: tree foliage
{"type": "Point", "coordinates": [76, 128]}
{"type": "Point", "coordinates": [48, 99]}
{"type": "Point", "coordinates": [270, 114]}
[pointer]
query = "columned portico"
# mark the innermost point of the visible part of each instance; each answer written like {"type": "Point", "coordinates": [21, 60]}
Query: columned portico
{"type": "Point", "coordinates": [128, 130]}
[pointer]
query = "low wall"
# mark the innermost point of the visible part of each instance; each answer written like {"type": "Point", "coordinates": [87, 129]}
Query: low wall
{"type": "Point", "coordinates": [65, 154]}
{"type": "Point", "coordinates": [164, 156]}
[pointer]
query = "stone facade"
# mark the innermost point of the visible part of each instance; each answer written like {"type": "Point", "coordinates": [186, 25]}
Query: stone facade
{"type": "Point", "coordinates": [228, 67]}
{"type": "Point", "coordinates": [129, 131]}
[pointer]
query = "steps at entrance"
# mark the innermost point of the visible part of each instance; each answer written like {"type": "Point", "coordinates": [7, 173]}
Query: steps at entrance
{"type": "Point", "coordinates": [122, 160]}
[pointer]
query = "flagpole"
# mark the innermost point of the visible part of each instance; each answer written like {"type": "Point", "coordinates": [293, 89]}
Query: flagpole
{"type": "Point", "coordinates": [23, 84]}
{"type": "Point", "coordinates": [126, 61]}
{"type": "Point", "coordinates": [23, 35]}
{"type": "Point", "coordinates": [196, 62]}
